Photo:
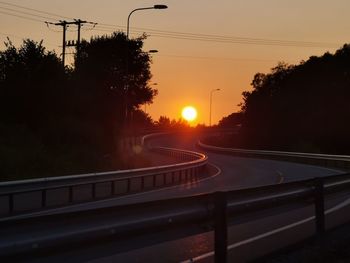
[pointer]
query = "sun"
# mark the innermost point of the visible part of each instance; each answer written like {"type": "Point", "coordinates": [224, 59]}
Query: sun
{"type": "Point", "coordinates": [189, 113]}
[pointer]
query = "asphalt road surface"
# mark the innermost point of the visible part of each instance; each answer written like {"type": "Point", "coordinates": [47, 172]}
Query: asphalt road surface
{"type": "Point", "coordinates": [248, 237]}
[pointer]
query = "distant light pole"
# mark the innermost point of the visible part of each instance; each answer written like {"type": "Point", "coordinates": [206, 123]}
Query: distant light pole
{"type": "Point", "coordinates": [211, 98]}
{"type": "Point", "coordinates": [142, 8]}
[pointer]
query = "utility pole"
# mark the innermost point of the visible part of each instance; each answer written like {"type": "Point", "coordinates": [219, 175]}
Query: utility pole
{"type": "Point", "coordinates": [64, 24]}
{"type": "Point", "coordinates": [79, 23]}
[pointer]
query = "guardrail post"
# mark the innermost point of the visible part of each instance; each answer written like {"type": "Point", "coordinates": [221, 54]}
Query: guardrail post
{"type": "Point", "coordinates": [154, 180]}
{"type": "Point", "coordinates": [43, 198]}
{"type": "Point", "coordinates": [142, 183]}
{"type": "Point", "coordinates": [93, 189]}
{"type": "Point", "coordinates": [70, 197]}
{"type": "Point", "coordinates": [319, 206]}
{"type": "Point", "coordinates": [220, 227]}
{"type": "Point", "coordinates": [113, 187]}
{"type": "Point", "coordinates": [128, 185]}
{"type": "Point", "coordinates": [11, 204]}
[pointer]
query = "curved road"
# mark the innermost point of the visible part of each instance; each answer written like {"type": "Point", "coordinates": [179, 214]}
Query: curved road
{"type": "Point", "coordinates": [247, 238]}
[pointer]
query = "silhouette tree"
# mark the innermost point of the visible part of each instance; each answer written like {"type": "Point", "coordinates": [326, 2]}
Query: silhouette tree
{"type": "Point", "coordinates": [32, 83]}
{"type": "Point", "coordinates": [231, 120]}
{"type": "Point", "coordinates": [301, 107]}
{"type": "Point", "coordinates": [112, 75]}
{"type": "Point", "coordinates": [142, 120]}
{"type": "Point", "coordinates": [33, 87]}
{"type": "Point", "coordinates": [56, 120]}
{"type": "Point", "coordinates": [163, 122]}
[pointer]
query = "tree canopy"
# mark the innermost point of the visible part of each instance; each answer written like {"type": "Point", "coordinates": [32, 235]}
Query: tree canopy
{"type": "Point", "coordinates": [60, 120]}
{"type": "Point", "coordinates": [112, 76]}
{"type": "Point", "coordinates": [301, 107]}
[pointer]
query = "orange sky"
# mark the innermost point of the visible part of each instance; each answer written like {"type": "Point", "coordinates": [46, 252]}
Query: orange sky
{"type": "Point", "coordinates": [186, 70]}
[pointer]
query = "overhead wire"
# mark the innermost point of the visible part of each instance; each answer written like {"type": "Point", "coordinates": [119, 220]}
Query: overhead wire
{"type": "Point", "coordinates": [35, 10]}
{"type": "Point", "coordinates": [103, 27]}
{"type": "Point", "coordinates": [219, 38]}
{"type": "Point", "coordinates": [20, 16]}
{"type": "Point", "coordinates": [89, 29]}
{"type": "Point", "coordinates": [25, 13]}
{"type": "Point", "coordinates": [215, 58]}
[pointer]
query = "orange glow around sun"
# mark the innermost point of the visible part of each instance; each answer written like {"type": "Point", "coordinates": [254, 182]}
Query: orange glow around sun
{"type": "Point", "coordinates": [189, 113]}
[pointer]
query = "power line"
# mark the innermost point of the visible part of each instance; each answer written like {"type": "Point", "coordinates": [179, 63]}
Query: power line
{"type": "Point", "coordinates": [250, 42]}
{"type": "Point", "coordinates": [25, 13]}
{"type": "Point", "coordinates": [216, 58]}
{"type": "Point", "coordinates": [35, 10]}
{"type": "Point", "coordinates": [190, 36]}
{"type": "Point", "coordinates": [19, 16]}
{"type": "Point", "coordinates": [222, 39]}
{"type": "Point", "coordinates": [233, 40]}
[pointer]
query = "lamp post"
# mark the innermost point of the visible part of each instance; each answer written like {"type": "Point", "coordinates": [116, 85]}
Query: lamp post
{"type": "Point", "coordinates": [127, 36]}
{"type": "Point", "coordinates": [211, 98]}
{"type": "Point", "coordinates": [142, 8]}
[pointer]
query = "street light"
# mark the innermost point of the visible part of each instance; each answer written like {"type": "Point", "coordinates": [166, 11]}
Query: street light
{"type": "Point", "coordinates": [142, 8]}
{"type": "Point", "coordinates": [127, 59]}
{"type": "Point", "coordinates": [211, 98]}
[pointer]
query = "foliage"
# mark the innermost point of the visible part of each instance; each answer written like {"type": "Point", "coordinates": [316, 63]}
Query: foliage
{"type": "Point", "coordinates": [32, 83]}
{"type": "Point", "coordinates": [112, 75]}
{"type": "Point", "coordinates": [56, 120]}
{"type": "Point", "coordinates": [231, 120]}
{"type": "Point", "coordinates": [166, 124]}
{"type": "Point", "coordinates": [142, 120]}
{"type": "Point", "coordinates": [303, 107]}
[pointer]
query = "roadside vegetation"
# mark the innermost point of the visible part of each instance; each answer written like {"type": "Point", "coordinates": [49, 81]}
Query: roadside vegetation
{"type": "Point", "coordinates": [302, 107]}
{"type": "Point", "coordinates": [57, 120]}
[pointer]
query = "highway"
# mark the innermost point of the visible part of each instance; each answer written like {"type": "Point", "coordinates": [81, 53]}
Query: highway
{"type": "Point", "coordinates": [248, 237]}
{"type": "Point", "coordinates": [233, 173]}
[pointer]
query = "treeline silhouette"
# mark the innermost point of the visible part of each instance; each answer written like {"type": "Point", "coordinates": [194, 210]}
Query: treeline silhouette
{"type": "Point", "coordinates": [58, 120]}
{"type": "Point", "coordinates": [301, 107]}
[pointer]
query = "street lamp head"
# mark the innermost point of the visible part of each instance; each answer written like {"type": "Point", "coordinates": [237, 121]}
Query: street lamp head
{"type": "Point", "coordinates": [153, 51]}
{"type": "Point", "coordinates": [160, 7]}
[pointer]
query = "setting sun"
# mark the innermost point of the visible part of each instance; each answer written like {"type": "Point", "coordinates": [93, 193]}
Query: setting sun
{"type": "Point", "coordinates": [189, 113]}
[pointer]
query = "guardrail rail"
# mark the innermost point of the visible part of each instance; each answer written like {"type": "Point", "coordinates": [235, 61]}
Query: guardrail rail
{"type": "Point", "coordinates": [214, 210]}
{"type": "Point", "coordinates": [25, 196]}
{"type": "Point", "coordinates": [326, 160]}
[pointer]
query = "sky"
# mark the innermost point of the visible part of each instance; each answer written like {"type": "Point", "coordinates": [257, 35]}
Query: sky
{"type": "Point", "coordinates": [202, 44]}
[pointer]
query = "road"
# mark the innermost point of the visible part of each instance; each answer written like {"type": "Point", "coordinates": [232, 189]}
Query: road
{"type": "Point", "coordinates": [248, 237]}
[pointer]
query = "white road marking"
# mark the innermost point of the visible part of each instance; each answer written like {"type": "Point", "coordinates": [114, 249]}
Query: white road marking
{"type": "Point", "coordinates": [270, 233]}
{"type": "Point", "coordinates": [281, 178]}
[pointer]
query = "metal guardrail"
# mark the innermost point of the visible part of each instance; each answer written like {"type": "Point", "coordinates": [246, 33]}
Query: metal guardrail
{"type": "Point", "coordinates": [37, 194]}
{"type": "Point", "coordinates": [214, 210]}
{"type": "Point", "coordinates": [327, 160]}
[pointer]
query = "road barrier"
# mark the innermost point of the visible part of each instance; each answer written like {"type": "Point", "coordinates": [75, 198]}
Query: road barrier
{"type": "Point", "coordinates": [326, 160]}
{"type": "Point", "coordinates": [214, 210]}
{"type": "Point", "coordinates": [38, 194]}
